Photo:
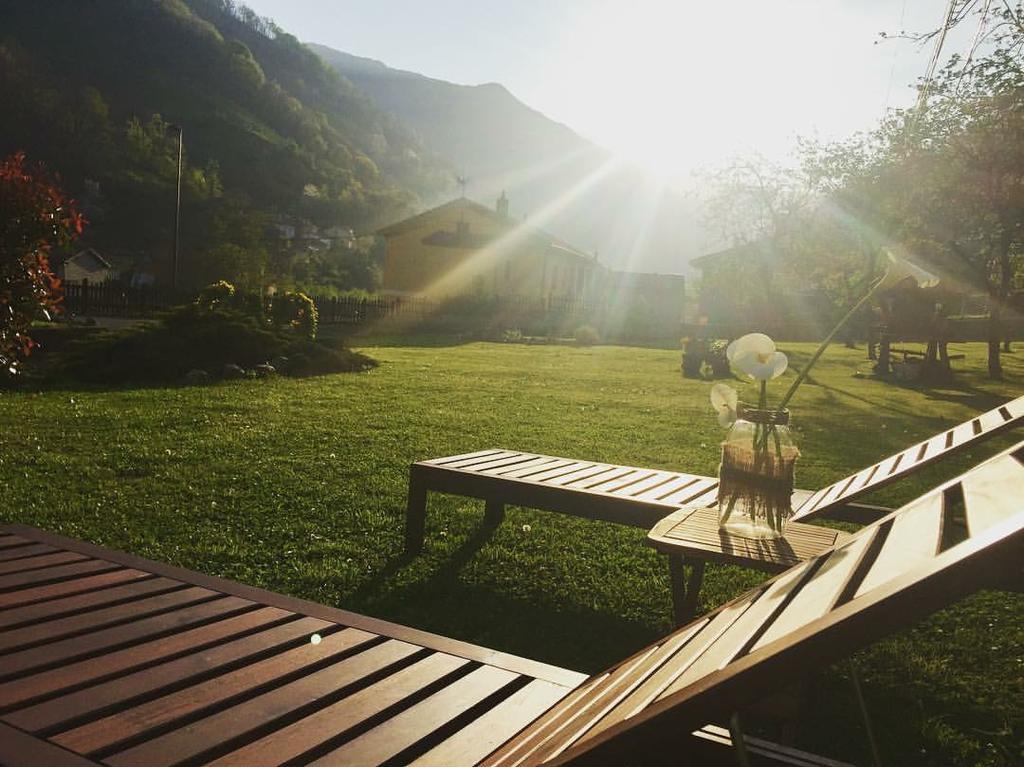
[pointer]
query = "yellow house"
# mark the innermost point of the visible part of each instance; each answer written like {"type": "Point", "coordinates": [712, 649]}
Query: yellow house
{"type": "Point", "coordinates": [465, 248]}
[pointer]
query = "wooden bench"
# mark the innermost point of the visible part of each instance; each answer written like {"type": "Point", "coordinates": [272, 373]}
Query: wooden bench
{"type": "Point", "coordinates": [627, 495]}
{"type": "Point", "coordinates": [639, 497]}
{"type": "Point", "coordinates": [643, 498]}
{"type": "Point", "coordinates": [110, 659]}
{"type": "Point", "coordinates": [916, 353]}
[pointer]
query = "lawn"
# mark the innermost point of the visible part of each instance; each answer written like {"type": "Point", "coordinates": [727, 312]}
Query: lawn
{"type": "Point", "coordinates": [299, 486]}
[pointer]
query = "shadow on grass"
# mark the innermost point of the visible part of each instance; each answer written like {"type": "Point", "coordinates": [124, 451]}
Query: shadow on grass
{"type": "Point", "coordinates": [575, 638]}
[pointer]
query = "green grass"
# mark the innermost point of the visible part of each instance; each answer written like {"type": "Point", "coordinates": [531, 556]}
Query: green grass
{"type": "Point", "coordinates": [299, 486]}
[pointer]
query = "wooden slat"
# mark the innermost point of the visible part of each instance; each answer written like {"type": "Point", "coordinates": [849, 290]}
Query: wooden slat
{"type": "Point", "coordinates": [467, 464]}
{"type": "Point", "coordinates": [692, 493]}
{"type": "Point", "coordinates": [293, 605]}
{"type": "Point", "coordinates": [7, 541]}
{"type": "Point", "coordinates": [53, 630]}
{"type": "Point", "coordinates": [19, 749]}
{"type": "Point", "coordinates": [659, 479]}
{"type": "Point", "coordinates": [561, 471]}
{"type": "Point", "coordinates": [67, 650]}
{"type": "Point", "coordinates": [461, 457]}
{"type": "Point", "coordinates": [50, 574]}
{"type": "Point", "coordinates": [729, 645]}
{"type": "Point", "coordinates": [605, 701]}
{"type": "Point", "coordinates": [328, 720]}
{"type": "Point", "coordinates": [594, 471]}
{"type": "Point", "coordinates": [889, 469]}
{"type": "Point", "coordinates": [19, 552]}
{"type": "Point", "coordinates": [398, 733]}
{"type": "Point", "coordinates": [603, 485]}
{"type": "Point", "coordinates": [992, 494]}
{"type": "Point", "coordinates": [77, 586]}
{"type": "Point", "coordinates": [521, 466]}
{"type": "Point", "coordinates": [913, 540]}
{"type": "Point", "coordinates": [480, 737]}
{"type": "Point", "coordinates": [819, 595]}
{"type": "Point", "coordinates": [521, 747]}
{"type": "Point", "coordinates": [676, 484]}
{"type": "Point", "coordinates": [211, 694]}
{"type": "Point", "coordinates": [688, 644]}
{"type": "Point", "coordinates": [67, 676]}
{"type": "Point", "coordinates": [55, 608]}
{"type": "Point", "coordinates": [40, 561]}
{"type": "Point", "coordinates": [695, 531]}
{"type": "Point", "coordinates": [613, 684]}
{"type": "Point", "coordinates": [336, 719]}
{"type": "Point", "coordinates": [103, 696]}
{"type": "Point", "coordinates": [550, 464]}
{"type": "Point", "coordinates": [500, 463]}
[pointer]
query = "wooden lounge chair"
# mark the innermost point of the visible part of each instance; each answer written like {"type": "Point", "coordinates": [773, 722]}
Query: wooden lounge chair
{"type": "Point", "coordinates": [639, 497]}
{"type": "Point", "coordinates": [107, 658]}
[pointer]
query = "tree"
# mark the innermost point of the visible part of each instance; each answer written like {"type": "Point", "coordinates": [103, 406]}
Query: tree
{"type": "Point", "coordinates": [945, 180]}
{"type": "Point", "coordinates": [34, 216]}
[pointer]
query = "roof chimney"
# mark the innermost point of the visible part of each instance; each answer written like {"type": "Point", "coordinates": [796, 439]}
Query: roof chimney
{"type": "Point", "coordinates": [502, 205]}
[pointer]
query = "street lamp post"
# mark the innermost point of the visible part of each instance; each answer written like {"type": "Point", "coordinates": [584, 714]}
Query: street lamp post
{"type": "Point", "coordinates": [177, 209]}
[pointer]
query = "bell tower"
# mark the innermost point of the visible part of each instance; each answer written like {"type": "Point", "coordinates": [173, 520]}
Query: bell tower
{"type": "Point", "coordinates": [502, 205]}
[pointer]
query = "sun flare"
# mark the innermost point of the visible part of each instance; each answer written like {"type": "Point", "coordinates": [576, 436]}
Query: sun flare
{"type": "Point", "coordinates": [664, 92]}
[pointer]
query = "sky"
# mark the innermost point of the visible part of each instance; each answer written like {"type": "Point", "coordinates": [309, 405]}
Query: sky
{"type": "Point", "coordinates": [672, 84]}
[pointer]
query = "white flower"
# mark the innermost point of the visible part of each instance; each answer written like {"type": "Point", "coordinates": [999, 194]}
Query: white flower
{"type": "Point", "coordinates": [755, 355]}
{"type": "Point", "coordinates": [724, 400]}
{"type": "Point", "coordinates": [900, 269]}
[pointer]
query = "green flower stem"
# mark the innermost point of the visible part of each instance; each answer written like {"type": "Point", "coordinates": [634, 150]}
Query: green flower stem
{"type": "Point", "coordinates": [824, 345]}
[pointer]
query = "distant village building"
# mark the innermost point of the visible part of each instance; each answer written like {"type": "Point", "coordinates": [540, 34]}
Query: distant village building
{"type": "Point", "coordinates": [751, 287]}
{"type": "Point", "coordinates": [463, 247]}
{"type": "Point", "coordinates": [303, 235]}
{"type": "Point", "coordinates": [86, 264]}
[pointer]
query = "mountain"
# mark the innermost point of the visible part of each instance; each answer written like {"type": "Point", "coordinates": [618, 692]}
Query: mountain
{"type": "Point", "coordinates": [268, 128]}
{"type": "Point", "coordinates": [551, 174]}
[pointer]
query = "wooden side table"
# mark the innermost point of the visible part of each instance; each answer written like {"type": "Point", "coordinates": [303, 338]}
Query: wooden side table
{"type": "Point", "coordinates": [691, 536]}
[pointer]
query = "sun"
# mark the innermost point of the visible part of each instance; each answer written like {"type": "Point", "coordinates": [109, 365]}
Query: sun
{"type": "Point", "coordinates": [671, 85]}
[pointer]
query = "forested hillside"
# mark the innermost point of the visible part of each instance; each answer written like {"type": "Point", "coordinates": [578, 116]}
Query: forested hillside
{"type": "Point", "coordinates": [550, 173]}
{"type": "Point", "coordinates": [91, 88]}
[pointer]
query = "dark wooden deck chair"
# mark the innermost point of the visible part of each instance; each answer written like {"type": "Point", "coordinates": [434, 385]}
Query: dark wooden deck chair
{"type": "Point", "coordinates": [107, 658]}
{"type": "Point", "coordinates": [640, 497]}
{"type": "Point", "coordinates": [965, 535]}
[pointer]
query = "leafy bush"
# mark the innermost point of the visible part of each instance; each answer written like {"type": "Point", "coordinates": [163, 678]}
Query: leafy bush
{"type": "Point", "coordinates": [216, 294]}
{"type": "Point", "coordinates": [34, 216]}
{"type": "Point", "coordinates": [295, 310]}
{"type": "Point", "coordinates": [193, 337]}
{"type": "Point", "coordinates": [717, 360]}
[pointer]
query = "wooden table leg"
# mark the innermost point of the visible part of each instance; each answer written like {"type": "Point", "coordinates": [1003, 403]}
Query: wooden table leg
{"type": "Point", "coordinates": [685, 591]}
{"type": "Point", "coordinates": [415, 513]}
{"type": "Point", "coordinates": [494, 513]}
{"type": "Point", "coordinates": [693, 588]}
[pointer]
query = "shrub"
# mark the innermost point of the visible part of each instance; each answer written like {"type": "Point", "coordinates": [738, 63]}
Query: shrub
{"type": "Point", "coordinates": [216, 294]}
{"type": "Point", "coordinates": [694, 352]}
{"type": "Point", "coordinates": [192, 337]}
{"type": "Point", "coordinates": [717, 360]}
{"type": "Point", "coordinates": [587, 335]}
{"type": "Point", "coordinates": [295, 310]}
{"type": "Point", "coordinates": [34, 216]}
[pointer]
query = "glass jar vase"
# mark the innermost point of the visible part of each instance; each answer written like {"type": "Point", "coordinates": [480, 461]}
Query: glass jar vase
{"type": "Point", "coordinates": [755, 478]}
